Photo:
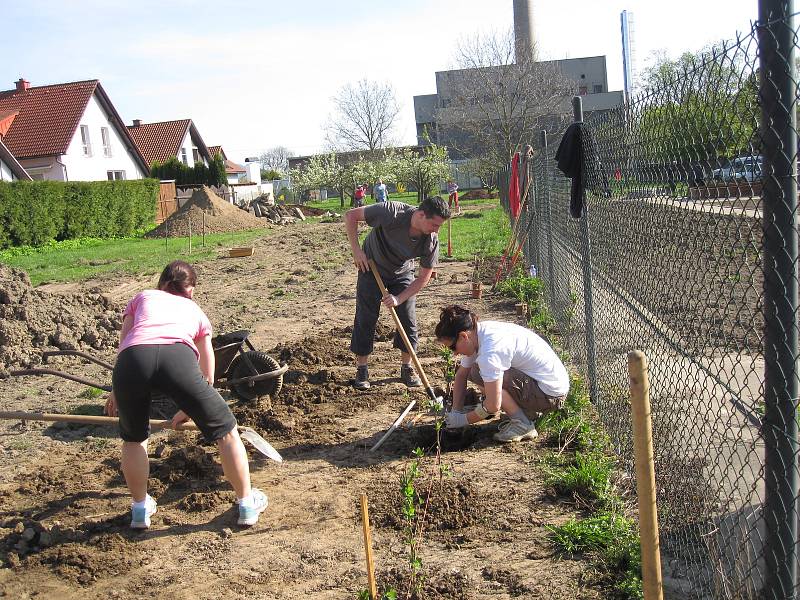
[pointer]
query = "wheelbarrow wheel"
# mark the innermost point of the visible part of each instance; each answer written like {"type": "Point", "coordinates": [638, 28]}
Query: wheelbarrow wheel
{"type": "Point", "coordinates": [263, 363]}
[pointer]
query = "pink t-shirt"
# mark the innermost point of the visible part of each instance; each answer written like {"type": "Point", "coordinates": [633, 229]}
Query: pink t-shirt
{"type": "Point", "coordinates": [164, 318]}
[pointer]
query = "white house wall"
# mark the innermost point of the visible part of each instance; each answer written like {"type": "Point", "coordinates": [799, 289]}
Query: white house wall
{"type": "Point", "coordinates": [96, 166]}
{"type": "Point", "coordinates": [189, 145]}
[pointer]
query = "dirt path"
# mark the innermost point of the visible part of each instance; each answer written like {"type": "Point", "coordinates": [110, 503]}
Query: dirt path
{"type": "Point", "coordinates": [64, 515]}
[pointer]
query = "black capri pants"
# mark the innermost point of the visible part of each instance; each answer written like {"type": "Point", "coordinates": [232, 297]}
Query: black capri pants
{"type": "Point", "coordinates": [173, 370]}
{"type": "Point", "coordinates": [368, 304]}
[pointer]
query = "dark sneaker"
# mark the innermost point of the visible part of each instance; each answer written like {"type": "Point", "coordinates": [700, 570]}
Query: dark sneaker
{"type": "Point", "coordinates": [409, 377]}
{"type": "Point", "coordinates": [361, 382]}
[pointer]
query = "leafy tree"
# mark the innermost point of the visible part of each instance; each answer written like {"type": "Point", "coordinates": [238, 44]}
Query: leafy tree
{"type": "Point", "coordinates": [696, 108]}
{"type": "Point", "coordinates": [423, 170]}
{"type": "Point", "coordinates": [365, 116]}
{"type": "Point", "coordinates": [270, 174]}
{"type": "Point", "coordinates": [217, 175]}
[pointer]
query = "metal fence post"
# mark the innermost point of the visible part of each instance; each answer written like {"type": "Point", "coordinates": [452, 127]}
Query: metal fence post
{"type": "Point", "coordinates": [586, 257]}
{"type": "Point", "coordinates": [779, 200]}
{"type": "Point", "coordinates": [549, 212]}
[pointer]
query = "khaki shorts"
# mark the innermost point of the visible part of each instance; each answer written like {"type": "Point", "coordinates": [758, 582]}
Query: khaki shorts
{"type": "Point", "coordinates": [524, 390]}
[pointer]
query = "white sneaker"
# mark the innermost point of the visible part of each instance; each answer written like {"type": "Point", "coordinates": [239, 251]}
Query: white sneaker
{"type": "Point", "coordinates": [140, 517]}
{"type": "Point", "coordinates": [516, 431]}
{"type": "Point", "coordinates": [248, 514]}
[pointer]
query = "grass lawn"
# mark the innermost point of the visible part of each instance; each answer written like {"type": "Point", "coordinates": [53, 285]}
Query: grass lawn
{"type": "Point", "coordinates": [67, 261]}
{"type": "Point", "coordinates": [482, 232]}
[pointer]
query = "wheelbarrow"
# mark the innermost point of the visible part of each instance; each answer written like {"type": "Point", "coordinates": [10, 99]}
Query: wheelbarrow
{"type": "Point", "coordinates": [247, 373]}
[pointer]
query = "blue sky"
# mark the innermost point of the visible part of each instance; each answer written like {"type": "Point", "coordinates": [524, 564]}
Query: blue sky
{"type": "Point", "coordinates": [257, 74]}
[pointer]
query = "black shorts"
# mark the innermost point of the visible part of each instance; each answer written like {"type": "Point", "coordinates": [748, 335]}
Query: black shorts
{"type": "Point", "coordinates": [173, 370]}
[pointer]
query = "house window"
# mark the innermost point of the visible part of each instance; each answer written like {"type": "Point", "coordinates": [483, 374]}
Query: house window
{"type": "Point", "coordinates": [598, 89]}
{"type": "Point", "coordinates": [106, 142]}
{"type": "Point", "coordinates": [184, 156]}
{"type": "Point", "coordinates": [86, 142]}
{"type": "Point", "coordinates": [114, 175]}
{"type": "Point", "coordinates": [196, 155]}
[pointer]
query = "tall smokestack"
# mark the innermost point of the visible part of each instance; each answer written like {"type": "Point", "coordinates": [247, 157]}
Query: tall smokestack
{"type": "Point", "coordinates": [523, 30]}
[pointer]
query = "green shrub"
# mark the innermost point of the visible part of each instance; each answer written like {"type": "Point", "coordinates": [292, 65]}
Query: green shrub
{"type": "Point", "coordinates": [32, 213]}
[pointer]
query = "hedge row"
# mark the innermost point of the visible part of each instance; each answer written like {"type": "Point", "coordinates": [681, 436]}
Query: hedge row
{"type": "Point", "coordinates": [35, 212]}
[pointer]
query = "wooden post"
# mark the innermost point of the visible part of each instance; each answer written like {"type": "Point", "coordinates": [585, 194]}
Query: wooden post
{"type": "Point", "coordinates": [645, 475]}
{"type": "Point", "coordinates": [204, 229]}
{"type": "Point", "coordinates": [449, 237]}
{"type": "Point", "coordinates": [190, 234]}
{"type": "Point", "coordinates": [373, 588]}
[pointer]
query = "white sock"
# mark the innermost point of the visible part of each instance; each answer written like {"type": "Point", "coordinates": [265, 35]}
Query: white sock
{"type": "Point", "coordinates": [520, 416]}
{"type": "Point", "coordinates": [143, 503]}
{"type": "Point", "coordinates": [247, 501]}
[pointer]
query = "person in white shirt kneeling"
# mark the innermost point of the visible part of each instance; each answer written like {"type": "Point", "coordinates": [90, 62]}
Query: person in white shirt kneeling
{"type": "Point", "coordinates": [518, 372]}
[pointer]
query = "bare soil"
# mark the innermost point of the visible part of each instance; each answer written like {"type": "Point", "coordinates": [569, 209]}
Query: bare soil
{"type": "Point", "coordinates": [64, 509]}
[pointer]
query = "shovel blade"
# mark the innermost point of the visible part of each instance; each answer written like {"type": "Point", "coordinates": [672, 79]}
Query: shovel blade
{"type": "Point", "coordinates": [260, 444]}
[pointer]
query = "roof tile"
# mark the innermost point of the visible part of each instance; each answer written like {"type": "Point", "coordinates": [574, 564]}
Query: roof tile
{"type": "Point", "coordinates": [159, 141]}
{"type": "Point", "coordinates": [48, 117]}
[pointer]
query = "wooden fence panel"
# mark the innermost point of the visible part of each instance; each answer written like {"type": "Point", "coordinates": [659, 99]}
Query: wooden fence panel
{"type": "Point", "coordinates": [167, 201]}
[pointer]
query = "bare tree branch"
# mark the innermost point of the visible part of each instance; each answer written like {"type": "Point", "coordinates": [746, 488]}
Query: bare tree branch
{"type": "Point", "coordinates": [491, 106]}
{"type": "Point", "coordinates": [365, 116]}
{"type": "Point", "coordinates": [276, 159]}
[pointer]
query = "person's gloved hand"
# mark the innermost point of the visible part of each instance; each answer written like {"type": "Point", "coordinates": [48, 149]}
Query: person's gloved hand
{"type": "Point", "coordinates": [455, 420]}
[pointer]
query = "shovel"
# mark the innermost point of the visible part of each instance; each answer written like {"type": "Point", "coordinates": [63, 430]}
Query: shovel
{"type": "Point", "coordinates": [434, 398]}
{"type": "Point", "coordinates": [259, 443]}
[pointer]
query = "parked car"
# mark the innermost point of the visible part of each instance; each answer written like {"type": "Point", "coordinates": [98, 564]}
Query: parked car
{"type": "Point", "coordinates": [747, 168]}
{"type": "Point", "coordinates": [742, 168]}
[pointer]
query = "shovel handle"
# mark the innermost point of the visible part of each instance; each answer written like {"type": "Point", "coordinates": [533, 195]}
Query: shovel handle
{"type": "Point", "coordinates": [402, 332]}
{"type": "Point", "coordinates": [88, 419]}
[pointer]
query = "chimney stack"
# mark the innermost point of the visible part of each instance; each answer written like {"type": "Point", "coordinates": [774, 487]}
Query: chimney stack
{"type": "Point", "coordinates": [524, 43]}
{"type": "Point", "coordinates": [137, 122]}
{"type": "Point", "coordinates": [23, 84]}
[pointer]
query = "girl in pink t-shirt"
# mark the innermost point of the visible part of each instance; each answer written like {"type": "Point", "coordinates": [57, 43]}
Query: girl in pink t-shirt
{"type": "Point", "coordinates": [165, 345]}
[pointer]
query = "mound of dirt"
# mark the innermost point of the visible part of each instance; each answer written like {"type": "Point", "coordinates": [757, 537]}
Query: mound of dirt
{"type": "Point", "coordinates": [433, 586]}
{"type": "Point", "coordinates": [203, 501]}
{"type": "Point", "coordinates": [32, 321]}
{"type": "Point", "coordinates": [187, 464]}
{"type": "Point", "coordinates": [451, 503]}
{"type": "Point", "coordinates": [111, 555]}
{"type": "Point", "coordinates": [478, 194]}
{"type": "Point", "coordinates": [220, 217]}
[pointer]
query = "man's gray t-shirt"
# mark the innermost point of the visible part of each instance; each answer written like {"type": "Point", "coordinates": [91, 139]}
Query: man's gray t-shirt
{"type": "Point", "coordinates": [389, 243]}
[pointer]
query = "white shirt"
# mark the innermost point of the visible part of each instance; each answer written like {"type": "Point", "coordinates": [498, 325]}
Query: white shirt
{"type": "Point", "coordinates": [502, 346]}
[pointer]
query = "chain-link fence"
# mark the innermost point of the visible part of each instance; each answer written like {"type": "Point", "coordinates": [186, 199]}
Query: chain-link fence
{"type": "Point", "coordinates": [692, 258]}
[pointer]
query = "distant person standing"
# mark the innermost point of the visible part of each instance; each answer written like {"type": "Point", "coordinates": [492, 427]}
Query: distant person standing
{"type": "Point", "coordinates": [358, 197]}
{"type": "Point", "coordinates": [380, 191]}
{"type": "Point", "coordinates": [452, 195]}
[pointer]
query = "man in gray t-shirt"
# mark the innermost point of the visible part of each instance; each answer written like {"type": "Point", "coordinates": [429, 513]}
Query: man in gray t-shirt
{"type": "Point", "coordinates": [400, 234]}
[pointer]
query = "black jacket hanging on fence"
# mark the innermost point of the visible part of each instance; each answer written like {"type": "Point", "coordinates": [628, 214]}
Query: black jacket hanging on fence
{"type": "Point", "coordinates": [578, 158]}
{"type": "Point", "coordinates": [571, 160]}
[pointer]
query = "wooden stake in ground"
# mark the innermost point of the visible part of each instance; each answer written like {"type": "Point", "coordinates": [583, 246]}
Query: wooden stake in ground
{"type": "Point", "coordinates": [190, 234]}
{"type": "Point", "coordinates": [645, 475]}
{"type": "Point", "coordinates": [373, 588]}
{"type": "Point", "coordinates": [449, 237]}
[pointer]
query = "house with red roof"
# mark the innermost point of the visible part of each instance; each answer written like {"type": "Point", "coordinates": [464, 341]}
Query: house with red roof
{"type": "Point", "coordinates": [235, 172]}
{"type": "Point", "coordinates": [68, 132]}
{"type": "Point", "coordinates": [170, 139]}
{"type": "Point", "coordinates": [214, 150]}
